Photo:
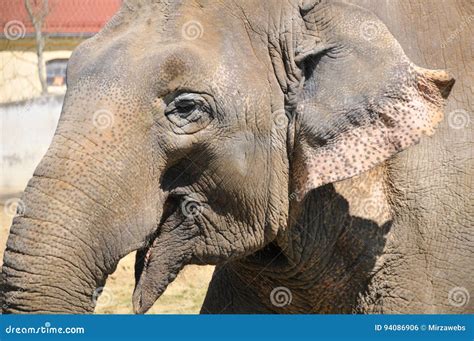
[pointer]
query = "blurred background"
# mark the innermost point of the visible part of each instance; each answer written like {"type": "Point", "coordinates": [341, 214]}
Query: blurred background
{"type": "Point", "coordinates": [37, 38]}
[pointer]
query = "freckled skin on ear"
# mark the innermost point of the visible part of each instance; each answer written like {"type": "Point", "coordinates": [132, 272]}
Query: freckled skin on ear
{"type": "Point", "coordinates": [400, 124]}
{"type": "Point", "coordinates": [388, 103]}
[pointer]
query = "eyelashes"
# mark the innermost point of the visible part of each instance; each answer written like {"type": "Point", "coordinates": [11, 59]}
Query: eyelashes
{"type": "Point", "coordinates": [189, 110]}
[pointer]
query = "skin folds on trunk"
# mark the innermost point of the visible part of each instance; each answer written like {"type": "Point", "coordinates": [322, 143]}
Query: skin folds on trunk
{"type": "Point", "coordinates": [90, 202]}
{"type": "Point", "coordinates": [49, 264]}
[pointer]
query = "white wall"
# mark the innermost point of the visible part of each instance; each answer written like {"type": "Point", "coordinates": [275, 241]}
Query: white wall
{"type": "Point", "coordinates": [26, 130]}
{"type": "Point", "coordinates": [19, 74]}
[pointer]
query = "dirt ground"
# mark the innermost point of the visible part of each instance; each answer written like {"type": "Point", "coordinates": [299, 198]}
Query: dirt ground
{"type": "Point", "coordinates": [184, 296]}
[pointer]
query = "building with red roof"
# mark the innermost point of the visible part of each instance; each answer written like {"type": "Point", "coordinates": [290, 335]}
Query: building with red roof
{"type": "Point", "coordinates": [65, 17]}
{"type": "Point", "coordinates": [67, 24]}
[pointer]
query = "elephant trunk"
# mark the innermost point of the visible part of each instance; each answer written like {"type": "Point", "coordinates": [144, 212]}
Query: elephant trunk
{"type": "Point", "coordinates": [89, 203]}
{"type": "Point", "coordinates": [49, 265]}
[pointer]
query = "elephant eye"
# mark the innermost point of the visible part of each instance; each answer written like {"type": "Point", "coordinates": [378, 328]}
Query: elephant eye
{"type": "Point", "coordinates": [185, 106]}
{"type": "Point", "coordinates": [190, 112]}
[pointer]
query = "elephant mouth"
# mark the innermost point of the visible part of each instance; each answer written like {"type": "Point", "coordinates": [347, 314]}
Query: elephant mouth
{"type": "Point", "coordinates": [166, 254]}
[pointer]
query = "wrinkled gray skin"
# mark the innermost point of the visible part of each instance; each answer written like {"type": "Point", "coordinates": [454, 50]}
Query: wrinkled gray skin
{"type": "Point", "coordinates": [200, 167]}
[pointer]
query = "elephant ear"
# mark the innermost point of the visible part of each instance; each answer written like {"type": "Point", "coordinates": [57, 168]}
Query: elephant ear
{"type": "Point", "coordinates": [359, 100]}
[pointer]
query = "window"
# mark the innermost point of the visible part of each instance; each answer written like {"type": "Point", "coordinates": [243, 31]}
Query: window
{"type": "Point", "coordinates": [56, 72]}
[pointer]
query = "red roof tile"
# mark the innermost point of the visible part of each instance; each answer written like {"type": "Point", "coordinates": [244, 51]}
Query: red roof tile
{"type": "Point", "coordinates": [66, 17]}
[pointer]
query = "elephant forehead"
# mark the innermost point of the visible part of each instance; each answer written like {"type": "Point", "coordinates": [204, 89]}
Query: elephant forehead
{"type": "Point", "coordinates": [174, 66]}
{"type": "Point", "coordinates": [171, 22]}
{"type": "Point", "coordinates": [205, 24]}
{"type": "Point", "coordinates": [155, 50]}
{"type": "Point", "coordinates": [185, 47]}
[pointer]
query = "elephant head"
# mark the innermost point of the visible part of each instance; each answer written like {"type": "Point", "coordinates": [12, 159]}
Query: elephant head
{"type": "Point", "coordinates": [191, 131]}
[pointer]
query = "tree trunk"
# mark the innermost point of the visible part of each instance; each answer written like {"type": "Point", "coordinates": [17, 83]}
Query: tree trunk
{"type": "Point", "coordinates": [41, 65]}
{"type": "Point", "coordinates": [37, 18]}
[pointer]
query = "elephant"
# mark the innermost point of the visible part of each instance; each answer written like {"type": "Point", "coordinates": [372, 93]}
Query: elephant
{"type": "Point", "coordinates": [290, 143]}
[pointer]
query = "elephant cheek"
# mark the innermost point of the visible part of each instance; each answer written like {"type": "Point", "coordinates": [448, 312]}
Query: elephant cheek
{"type": "Point", "coordinates": [159, 264]}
